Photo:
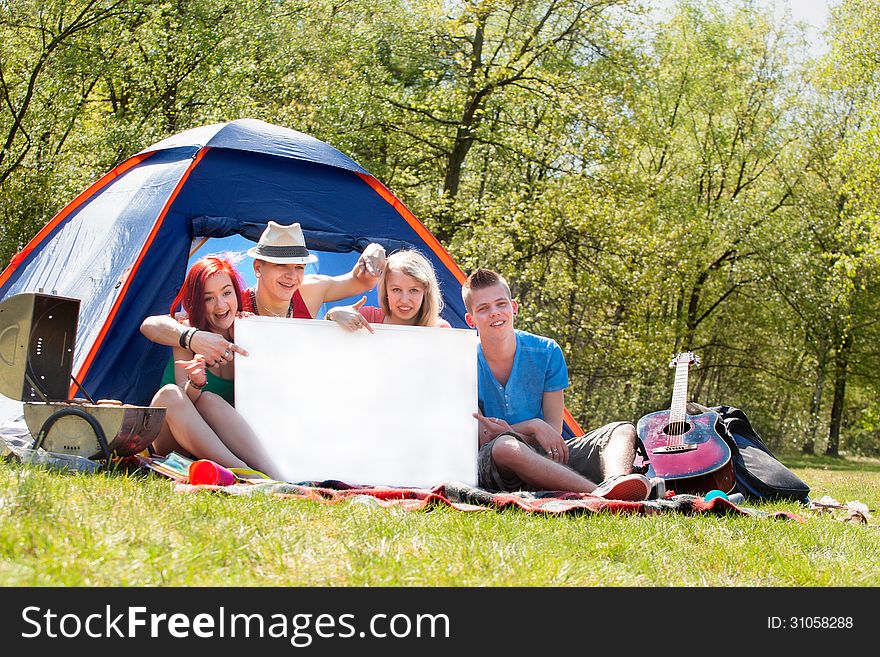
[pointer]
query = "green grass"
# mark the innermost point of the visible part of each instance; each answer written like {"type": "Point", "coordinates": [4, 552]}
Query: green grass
{"type": "Point", "coordinates": [135, 530]}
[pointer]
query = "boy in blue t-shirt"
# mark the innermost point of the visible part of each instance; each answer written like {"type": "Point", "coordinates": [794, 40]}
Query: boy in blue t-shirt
{"type": "Point", "coordinates": [521, 382]}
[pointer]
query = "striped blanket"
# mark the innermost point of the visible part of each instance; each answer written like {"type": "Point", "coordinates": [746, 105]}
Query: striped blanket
{"type": "Point", "coordinates": [468, 498]}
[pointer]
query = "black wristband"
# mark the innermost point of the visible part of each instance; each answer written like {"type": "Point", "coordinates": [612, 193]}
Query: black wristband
{"type": "Point", "coordinates": [189, 338]}
{"type": "Point", "coordinates": [182, 340]}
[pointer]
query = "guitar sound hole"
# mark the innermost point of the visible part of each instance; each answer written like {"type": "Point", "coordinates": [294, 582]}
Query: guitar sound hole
{"type": "Point", "coordinates": [676, 429]}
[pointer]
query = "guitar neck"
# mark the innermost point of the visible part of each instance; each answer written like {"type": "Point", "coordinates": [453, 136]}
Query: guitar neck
{"type": "Point", "coordinates": [678, 409]}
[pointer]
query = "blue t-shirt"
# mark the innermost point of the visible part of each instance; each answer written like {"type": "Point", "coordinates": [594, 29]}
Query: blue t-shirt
{"type": "Point", "coordinates": [538, 367]}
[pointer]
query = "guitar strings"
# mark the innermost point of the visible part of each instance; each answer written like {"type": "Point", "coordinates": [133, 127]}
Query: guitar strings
{"type": "Point", "coordinates": [679, 390]}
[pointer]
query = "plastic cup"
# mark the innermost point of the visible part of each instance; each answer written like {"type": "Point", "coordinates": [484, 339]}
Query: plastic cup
{"type": "Point", "coordinates": [210, 473]}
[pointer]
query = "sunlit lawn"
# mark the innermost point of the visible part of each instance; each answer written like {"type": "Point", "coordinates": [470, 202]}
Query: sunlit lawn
{"type": "Point", "coordinates": [136, 530]}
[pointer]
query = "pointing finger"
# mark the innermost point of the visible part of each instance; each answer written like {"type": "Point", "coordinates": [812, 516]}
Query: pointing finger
{"type": "Point", "coordinates": [482, 419]}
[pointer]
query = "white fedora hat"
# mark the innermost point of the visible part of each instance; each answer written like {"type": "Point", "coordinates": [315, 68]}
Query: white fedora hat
{"type": "Point", "coordinates": [283, 245]}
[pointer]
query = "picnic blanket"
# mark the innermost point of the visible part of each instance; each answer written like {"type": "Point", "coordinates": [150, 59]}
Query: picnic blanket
{"type": "Point", "coordinates": [469, 498]}
{"type": "Point", "coordinates": [457, 495]}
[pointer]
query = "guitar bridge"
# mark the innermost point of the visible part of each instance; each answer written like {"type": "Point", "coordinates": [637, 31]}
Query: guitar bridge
{"type": "Point", "coordinates": [673, 449]}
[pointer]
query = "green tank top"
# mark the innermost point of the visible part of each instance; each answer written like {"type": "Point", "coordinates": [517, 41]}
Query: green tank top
{"type": "Point", "coordinates": [223, 387]}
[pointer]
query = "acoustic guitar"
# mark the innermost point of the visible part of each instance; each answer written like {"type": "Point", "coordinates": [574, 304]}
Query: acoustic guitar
{"type": "Point", "coordinates": [686, 450]}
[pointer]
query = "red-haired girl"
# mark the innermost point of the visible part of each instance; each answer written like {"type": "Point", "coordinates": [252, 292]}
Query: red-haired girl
{"type": "Point", "coordinates": [201, 419]}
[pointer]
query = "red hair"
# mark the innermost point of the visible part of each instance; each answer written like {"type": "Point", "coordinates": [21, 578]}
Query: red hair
{"type": "Point", "coordinates": [192, 294]}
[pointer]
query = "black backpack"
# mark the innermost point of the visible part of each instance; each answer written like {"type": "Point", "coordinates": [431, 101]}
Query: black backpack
{"type": "Point", "coordinates": [759, 475]}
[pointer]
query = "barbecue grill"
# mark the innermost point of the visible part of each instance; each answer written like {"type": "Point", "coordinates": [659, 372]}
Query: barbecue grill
{"type": "Point", "coordinates": [37, 340]}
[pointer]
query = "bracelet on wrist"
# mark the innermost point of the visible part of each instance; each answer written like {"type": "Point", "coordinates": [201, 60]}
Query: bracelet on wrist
{"type": "Point", "coordinates": [189, 384]}
{"type": "Point", "coordinates": [198, 396]}
{"type": "Point", "coordinates": [195, 385]}
{"type": "Point", "coordinates": [188, 338]}
{"type": "Point", "coordinates": [182, 339]}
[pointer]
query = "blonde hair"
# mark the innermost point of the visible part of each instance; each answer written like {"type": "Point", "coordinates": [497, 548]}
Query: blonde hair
{"type": "Point", "coordinates": [413, 264]}
{"type": "Point", "coordinates": [480, 279]}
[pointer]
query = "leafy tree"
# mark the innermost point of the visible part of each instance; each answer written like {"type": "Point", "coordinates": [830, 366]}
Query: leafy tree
{"type": "Point", "coordinates": [47, 78]}
{"type": "Point", "coordinates": [850, 244]}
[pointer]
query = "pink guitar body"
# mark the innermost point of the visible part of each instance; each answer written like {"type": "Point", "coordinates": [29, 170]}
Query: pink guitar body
{"type": "Point", "coordinates": [686, 450]}
{"type": "Point", "coordinates": [695, 461]}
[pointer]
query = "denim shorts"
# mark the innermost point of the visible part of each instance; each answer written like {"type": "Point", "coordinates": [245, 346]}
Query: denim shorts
{"type": "Point", "coordinates": [584, 456]}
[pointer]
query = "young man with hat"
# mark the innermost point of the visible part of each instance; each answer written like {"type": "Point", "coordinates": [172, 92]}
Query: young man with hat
{"type": "Point", "coordinates": [521, 379]}
{"type": "Point", "coordinates": [283, 289]}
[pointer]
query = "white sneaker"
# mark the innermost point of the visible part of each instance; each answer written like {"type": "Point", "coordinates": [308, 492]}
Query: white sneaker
{"type": "Point", "coordinates": [658, 488]}
{"type": "Point", "coordinates": [629, 487]}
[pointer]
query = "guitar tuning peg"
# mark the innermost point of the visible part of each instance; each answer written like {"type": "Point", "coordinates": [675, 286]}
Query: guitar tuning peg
{"type": "Point", "coordinates": [685, 357]}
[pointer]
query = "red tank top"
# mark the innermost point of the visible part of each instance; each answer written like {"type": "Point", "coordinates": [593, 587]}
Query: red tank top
{"type": "Point", "coordinates": [297, 309]}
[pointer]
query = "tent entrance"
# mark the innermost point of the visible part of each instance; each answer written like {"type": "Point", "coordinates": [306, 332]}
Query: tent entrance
{"type": "Point", "coordinates": [331, 264]}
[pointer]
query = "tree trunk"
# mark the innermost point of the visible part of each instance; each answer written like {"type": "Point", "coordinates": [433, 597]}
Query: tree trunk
{"type": "Point", "coordinates": [840, 366]}
{"type": "Point", "coordinates": [464, 139]}
{"type": "Point", "coordinates": [809, 444]}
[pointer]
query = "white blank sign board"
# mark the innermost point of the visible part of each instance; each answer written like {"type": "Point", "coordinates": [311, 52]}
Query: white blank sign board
{"type": "Point", "coordinates": [393, 408]}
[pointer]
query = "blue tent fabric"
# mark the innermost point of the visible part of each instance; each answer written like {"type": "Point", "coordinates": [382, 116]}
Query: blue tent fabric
{"type": "Point", "coordinates": [89, 254]}
{"type": "Point", "coordinates": [123, 248]}
{"type": "Point", "coordinates": [338, 211]}
{"type": "Point", "coordinates": [259, 137]}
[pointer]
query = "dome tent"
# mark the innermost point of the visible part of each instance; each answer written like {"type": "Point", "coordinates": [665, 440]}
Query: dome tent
{"type": "Point", "coordinates": [122, 245]}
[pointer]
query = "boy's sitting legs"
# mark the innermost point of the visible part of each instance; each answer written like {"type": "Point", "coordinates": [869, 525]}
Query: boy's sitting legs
{"type": "Point", "coordinates": [605, 452]}
{"type": "Point", "coordinates": [507, 463]}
